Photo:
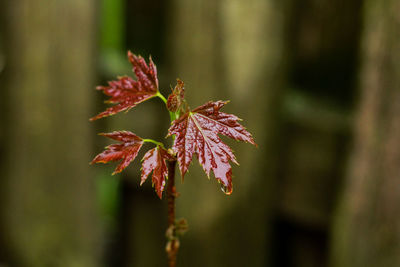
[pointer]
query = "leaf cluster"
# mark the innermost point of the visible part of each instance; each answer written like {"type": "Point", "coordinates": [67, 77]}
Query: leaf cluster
{"type": "Point", "coordinates": [195, 132]}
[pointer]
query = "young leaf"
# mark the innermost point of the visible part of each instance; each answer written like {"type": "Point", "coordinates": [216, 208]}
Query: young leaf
{"type": "Point", "coordinates": [176, 98]}
{"type": "Point", "coordinates": [197, 133]}
{"type": "Point", "coordinates": [126, 92]}
{"type": "Point", "coordinates": [126, 151]}
{"type": "Point", "coordinates": [154, 161]}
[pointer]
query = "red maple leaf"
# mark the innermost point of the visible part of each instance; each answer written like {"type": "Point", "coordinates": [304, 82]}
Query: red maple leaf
{"type": "Point", "coordinates": [126, 92]}
{"type": "Point", "coordinates": [197, 133]}
{"type": "Point", "coordinates": [154, 161]}
{"type": "Point", "coordinates": [126, 151]}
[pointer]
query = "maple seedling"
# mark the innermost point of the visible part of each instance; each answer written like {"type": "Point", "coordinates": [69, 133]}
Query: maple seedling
{"type": "Point", "coordinates": [194, 132]}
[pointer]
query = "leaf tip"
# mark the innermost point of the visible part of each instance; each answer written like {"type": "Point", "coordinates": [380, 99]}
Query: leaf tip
{"type": "Point", "coordinates": [226, 189]}
{"type": "Point", "coordinates": [95, 118]}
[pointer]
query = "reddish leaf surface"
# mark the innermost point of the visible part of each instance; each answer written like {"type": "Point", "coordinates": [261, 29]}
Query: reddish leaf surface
{"type": "Point", "coordinates": [176, 98]}
{"type": "Point", "coordinates": [126, 92]}
{"type": "Point", "coordinates": [197, 133]}
{"type": "Point", "coordinates": [154, 161]}
{"type": "Point", "coordinates": [126, 151]}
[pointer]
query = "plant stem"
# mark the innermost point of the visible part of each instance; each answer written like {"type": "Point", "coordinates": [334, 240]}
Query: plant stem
{"type": "Point", "coordinates": [172, 115]}
{"type": "Point", "coordinates": [173, 242]}
{"type": "Point", "coordinates": [148, 140]}
{"type": "Point", "coordinates": [162, 97]}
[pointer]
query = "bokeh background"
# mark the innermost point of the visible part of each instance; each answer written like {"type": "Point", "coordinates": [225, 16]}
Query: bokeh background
{"type": "Point", "coordinates": [317, 82]}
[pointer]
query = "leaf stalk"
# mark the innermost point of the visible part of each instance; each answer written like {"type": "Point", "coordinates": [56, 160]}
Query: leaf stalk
{"type": "Point", "coordinates": [148, 140]}
{"type": "Point", "coordinates": [172, 115]}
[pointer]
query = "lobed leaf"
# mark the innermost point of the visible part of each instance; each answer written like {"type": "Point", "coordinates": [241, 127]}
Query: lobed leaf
{"type": "Point", "coordinates": [154, 161]}
{"type": "Point", "coordinates": [197, 133]}
{"type": "Point", "coordinates": [125, 92]}
{"type": "Point", "coordinates": [126, 151]}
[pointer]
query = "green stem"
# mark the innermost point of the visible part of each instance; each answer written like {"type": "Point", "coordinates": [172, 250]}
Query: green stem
{"type": "Point", "coordinates": [154, 142]}
{"type": "Point", "coordinates": [162, 97]}
{"type": "Point", "coordinates": [172, 115]}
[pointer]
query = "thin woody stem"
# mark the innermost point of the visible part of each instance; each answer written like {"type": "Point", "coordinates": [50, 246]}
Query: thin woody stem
{"type": "Point", "coordinates": [173, 243]}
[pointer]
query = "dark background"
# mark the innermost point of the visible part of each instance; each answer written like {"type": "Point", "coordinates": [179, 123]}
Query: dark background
{"type": "Point", "coordinates": [317, 82]}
